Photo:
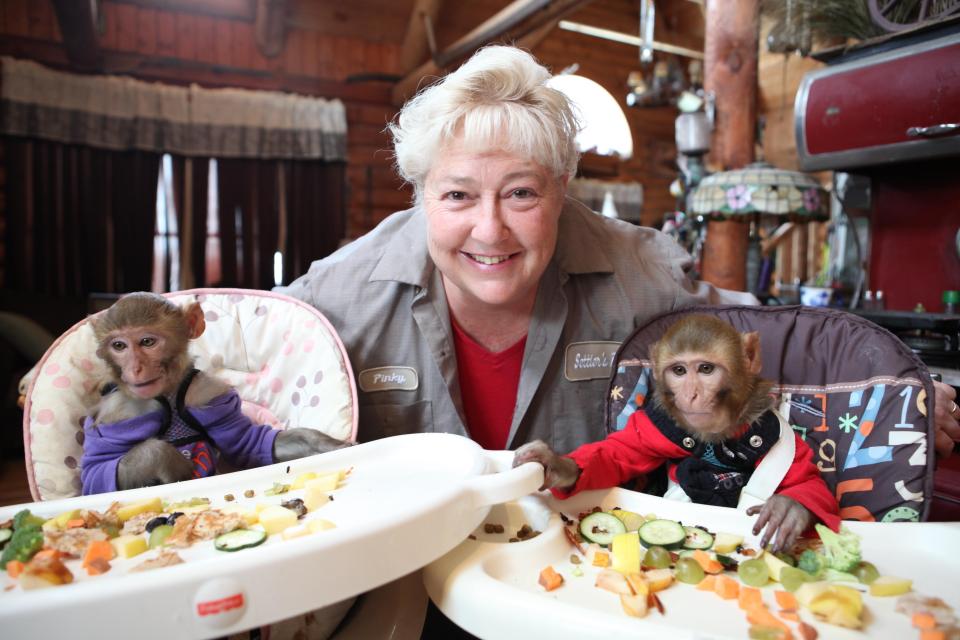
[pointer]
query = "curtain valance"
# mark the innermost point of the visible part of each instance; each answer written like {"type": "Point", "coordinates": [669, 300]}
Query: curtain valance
{"type": "Point", "coordinates": [120, 113]}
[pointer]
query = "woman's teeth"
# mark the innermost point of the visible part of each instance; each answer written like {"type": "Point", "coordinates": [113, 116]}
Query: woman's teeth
{"type": "Point", "coordinates": [489, 259]}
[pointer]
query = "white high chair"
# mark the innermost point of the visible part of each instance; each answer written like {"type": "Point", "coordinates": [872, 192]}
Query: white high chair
{"type": "Point", "coordinates": [290, 369]}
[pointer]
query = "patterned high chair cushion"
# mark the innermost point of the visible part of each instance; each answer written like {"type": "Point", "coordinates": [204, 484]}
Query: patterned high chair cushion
{"type": "Point", "coordinates": [282, 356]}
{"type": "Point", "coordinates": [854, 392]}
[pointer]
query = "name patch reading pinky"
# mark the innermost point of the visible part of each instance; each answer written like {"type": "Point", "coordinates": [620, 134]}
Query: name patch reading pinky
{"type": "Point", "coordinates": [589, 360]}
{"type": "Point", "coordinates": [389, 379]}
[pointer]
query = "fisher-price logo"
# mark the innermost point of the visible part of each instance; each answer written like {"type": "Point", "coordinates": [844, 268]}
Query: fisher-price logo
{"type": "Point", "coordinates": [215, 607]}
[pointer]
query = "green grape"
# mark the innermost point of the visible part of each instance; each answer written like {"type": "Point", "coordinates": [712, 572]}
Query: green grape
{"type": "Point", "coordinates": [689, 570]}
{"type": "Point", "coordinates": [786, 557]}
{"type": "Point", "coordinates": [866, 572]}
{"type": "Point", "coordinates": [754, 572]}
{"type": "Point", "coordinates": [791, 578]}
{"type": "Point", "coordinates": [159, 535]}
{"type": "Point", "coordinates": [657, 558]}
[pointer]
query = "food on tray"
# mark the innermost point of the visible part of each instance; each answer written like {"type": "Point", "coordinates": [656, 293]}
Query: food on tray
{"type": "Point", "coordinates": [637, 563]}
{"type": "Point", "coordinates": [35, 549]}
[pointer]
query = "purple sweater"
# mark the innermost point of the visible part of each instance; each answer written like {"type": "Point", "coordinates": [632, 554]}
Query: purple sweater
{"type": "Point", "coordinates": [243, 443]}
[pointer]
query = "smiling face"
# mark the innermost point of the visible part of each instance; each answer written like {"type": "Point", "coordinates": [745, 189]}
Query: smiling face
{"type": "Point", "coordinates": [492, 226]}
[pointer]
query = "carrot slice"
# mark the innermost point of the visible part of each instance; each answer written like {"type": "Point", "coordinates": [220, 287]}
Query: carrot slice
{"type": "Point", "coordinates": [933, 634]}
{"type": "Point", "coordinates": [749, 596]}
{"type": "Point", "coordinates": [707, 583]}
{"type": "Point", "coordinates": [75, 523]}
{"type": "Point", "coordinates": [763, 617]}
{"type": "Point", "coordinates": [786, 600]}
{"type": "Point", "coordinates": [601, 559]}
{"type": "Point", "coordinates": [726, 587]}
{"type": "Point", "coordinates": [550, 579]}
{"type": "Point", "coordinates": [14, 568]}
{"type": "Point", "coordinates": [790, 614]}
{"type": "Point", "coordinates": [708, 564]}
{"type": "Point", "coordinates": [98, 550]}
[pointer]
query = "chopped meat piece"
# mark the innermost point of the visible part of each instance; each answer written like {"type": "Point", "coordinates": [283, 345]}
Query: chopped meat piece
{"type": "Point", "coordinates": [72, 542]}
{"type": "Point", "coordinates": [166, 558]}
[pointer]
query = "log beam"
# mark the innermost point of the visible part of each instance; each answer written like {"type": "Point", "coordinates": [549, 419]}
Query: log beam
{"type": "Point", "coordinates": [78, 24]}
{"type": "Point", "coordinates": [270, 26]}
{"type": "Point", "coordinates": [730, 71]}
{"type": "Point", "coordinates": [415, 45]}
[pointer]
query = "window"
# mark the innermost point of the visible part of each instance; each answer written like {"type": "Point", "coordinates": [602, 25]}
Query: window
{"type": "Point", "coordinates": [605, 129]}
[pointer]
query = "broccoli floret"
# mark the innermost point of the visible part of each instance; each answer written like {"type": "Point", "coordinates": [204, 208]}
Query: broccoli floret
{"type": "Point", "coordinates": [842, 550]}
{"type": "Point", "coordinates": [26, 541]}
{"type": "Point", "coordinates": [25, 519]}
{"type": "Point", "coordinates": [832, 575]}
{"type": "Point", "coordinates": [812, 562]}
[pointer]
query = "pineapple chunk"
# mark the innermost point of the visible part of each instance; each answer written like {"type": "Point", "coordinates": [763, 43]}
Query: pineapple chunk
{"type": "Point", "coordinates": [250, 516]}
{"type": "Point", "coordinates": [132, 509]}
{"type": "Point", "coordinates": [59, 522]}
{"type": "Point", "coordinates": [294, 532]}
{"type": "Point", "coordinates": [275, 519]}
{"type": "Point", "coordinates": [774, 564]}
{"type": "Point", "coordinates": [324, 481]}
{"type": "Point", "coordinates": [726, 542]}
{"type": "Point", "coordinates": [626, 552]}
{"type": "Point", "coordinates": [890, 586]}
{"type": "Point", "coordinates": [130, 545]}
{"type": "Point", "coordinates": [301, 480]}
{"type": "Point", "coordinates": [320, 525]}
{"type": "Point", "coordinates": [314, 496]}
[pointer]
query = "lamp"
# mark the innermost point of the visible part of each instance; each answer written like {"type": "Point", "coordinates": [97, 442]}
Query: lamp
{"type": "Point", "coordinates": [755, 191]}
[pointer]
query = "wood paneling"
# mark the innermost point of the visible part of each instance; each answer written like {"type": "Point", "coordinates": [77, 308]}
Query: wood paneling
{"type": "Point", "coordinates": [338, 50]}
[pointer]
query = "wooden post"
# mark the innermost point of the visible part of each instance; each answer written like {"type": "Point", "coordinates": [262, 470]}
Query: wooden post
{"type": "Point", "coordinates": [730, 72]}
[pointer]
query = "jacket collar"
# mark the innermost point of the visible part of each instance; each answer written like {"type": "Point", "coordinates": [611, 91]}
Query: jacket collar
{"type": "Point", "coordinates": [579, 248]}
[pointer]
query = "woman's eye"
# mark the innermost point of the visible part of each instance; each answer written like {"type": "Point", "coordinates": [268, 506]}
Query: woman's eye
{"type": "Point", "coordinates": [456, 195]}
{"type": "Point", "coordinates": [522, 193]}
{"type": "Point", "coordinates": [707, 368]}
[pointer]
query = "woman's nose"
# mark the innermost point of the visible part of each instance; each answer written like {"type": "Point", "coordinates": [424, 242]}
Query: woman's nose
{"type": "Point", "coordinates": [490, 226]}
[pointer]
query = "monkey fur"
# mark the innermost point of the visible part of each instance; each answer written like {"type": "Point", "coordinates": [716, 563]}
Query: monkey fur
{"type": "Point", "coordinates": [143, 338]}
{"type": "Point", "coordinates": [707, 381]}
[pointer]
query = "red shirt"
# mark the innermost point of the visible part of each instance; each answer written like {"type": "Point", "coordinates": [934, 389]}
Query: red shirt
{"type": "Point", "coordinates": [488, 387]}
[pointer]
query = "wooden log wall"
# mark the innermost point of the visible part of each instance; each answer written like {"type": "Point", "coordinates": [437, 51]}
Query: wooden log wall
{"type": "Point", "coordinates": [330, 52]}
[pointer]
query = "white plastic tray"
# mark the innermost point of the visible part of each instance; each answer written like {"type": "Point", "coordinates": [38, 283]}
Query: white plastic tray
{"type": "Point", "coordinates": [408, 500]}
{"type": "Point", "coordinates": [490, 574]}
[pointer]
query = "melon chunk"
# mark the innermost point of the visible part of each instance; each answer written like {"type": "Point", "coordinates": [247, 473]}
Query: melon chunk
{"type": "Point", "coordinates": [275, 519]}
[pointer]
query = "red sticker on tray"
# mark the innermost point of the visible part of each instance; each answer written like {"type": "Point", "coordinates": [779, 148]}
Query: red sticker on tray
{"type": "Point", "coordinates": [213, 607]}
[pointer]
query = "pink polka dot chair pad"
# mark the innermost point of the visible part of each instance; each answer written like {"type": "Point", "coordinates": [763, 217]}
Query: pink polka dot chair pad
{"type": "Point", "coordinates": [282, 356]}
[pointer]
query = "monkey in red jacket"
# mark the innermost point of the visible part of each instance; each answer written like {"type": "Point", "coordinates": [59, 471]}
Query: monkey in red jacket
{"type": "Point", "coordinates": [711, 419]}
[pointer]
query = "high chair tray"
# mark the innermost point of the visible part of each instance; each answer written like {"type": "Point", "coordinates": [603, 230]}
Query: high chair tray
{"type": "Point", "coordinates": [404, 502]}
{"type": "Point", "coordinates": [489, 574]}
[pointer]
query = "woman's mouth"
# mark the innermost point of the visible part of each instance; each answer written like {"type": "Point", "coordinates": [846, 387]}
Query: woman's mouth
{"type": "Point", "coordinates": [488, 260]}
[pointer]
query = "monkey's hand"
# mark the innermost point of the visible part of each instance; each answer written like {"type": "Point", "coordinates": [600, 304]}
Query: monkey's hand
{"type": "Point", "coordinates": [298, 443]}
{"type": "Point", "coordinates": [558, 471]}
{"type": "Point", "coordinates": [784, 518]}
{"type": "Point", "coordinates": [150, 463]}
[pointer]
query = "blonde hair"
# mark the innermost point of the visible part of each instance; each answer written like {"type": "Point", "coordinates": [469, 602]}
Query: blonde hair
{"type": "Point", "coordinates": [498, 99]}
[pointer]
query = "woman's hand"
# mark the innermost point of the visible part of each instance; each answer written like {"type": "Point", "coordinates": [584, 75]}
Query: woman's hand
{"type": "Point", "coordinates": [558, 471]}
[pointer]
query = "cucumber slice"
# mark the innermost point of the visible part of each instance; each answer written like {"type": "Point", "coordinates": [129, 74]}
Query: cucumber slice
{"type": "Point", "coordinates": [666, 533]}
{"type": "Point", "coordinates": [239, 539]}
{"type": "Point", "coordinates": [601, 527]}
{"type": "Point", "coordinates": [697, 538]}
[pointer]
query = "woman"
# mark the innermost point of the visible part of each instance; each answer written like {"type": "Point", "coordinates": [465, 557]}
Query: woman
{"type": "Point", "coordinates": [493, 307]}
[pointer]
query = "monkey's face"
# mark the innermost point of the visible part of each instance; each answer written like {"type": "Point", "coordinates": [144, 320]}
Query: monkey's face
{"type": "Point", "coordinates": [697, 384]}
{"type": "Point", "coordinates": [141, 360]}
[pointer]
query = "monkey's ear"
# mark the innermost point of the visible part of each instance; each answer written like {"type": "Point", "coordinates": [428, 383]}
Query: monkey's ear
{"type": "Point", "coordinates": [196, 323]}
{"type": "Point", "coordinates": [751, 352]}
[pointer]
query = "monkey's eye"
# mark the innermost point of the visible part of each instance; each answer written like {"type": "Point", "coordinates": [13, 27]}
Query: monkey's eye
{"type": "Point", "coordinates": [118, 345]}
{"type": "Point", "coordinates": [678, 370]}
{"type": "Point", "coordinates": [706, 368]}
{"type": "Point", "coordinates": [148, 341]}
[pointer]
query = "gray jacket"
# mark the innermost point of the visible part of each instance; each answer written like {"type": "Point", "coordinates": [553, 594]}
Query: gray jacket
{"type": "Point", "coordinates": [384, 296]}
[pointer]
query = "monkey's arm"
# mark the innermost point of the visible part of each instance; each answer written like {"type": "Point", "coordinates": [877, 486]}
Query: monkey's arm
{"type": "Point", "coordinates": [104, 445]}
{"type": "Point", "coordinates": [150, 463]}
{"type": "Point", "coordinates": [247, 445]}
{"type": "Point", "coordinates": [803, 498]}
{"type": "Point", "coordinates": [558, 471]}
